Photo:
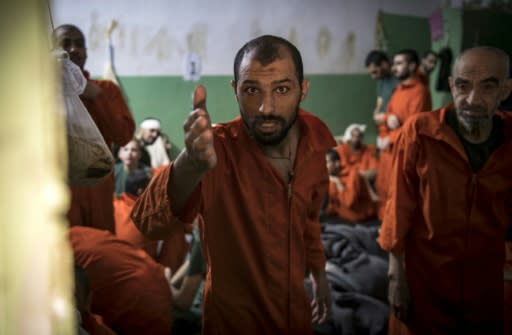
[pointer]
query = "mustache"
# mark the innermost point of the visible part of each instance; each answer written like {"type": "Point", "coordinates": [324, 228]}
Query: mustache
{"type": "Point", "coordinates": [473, 108]}
{"type": "Point", "coordinates": [263, 118]}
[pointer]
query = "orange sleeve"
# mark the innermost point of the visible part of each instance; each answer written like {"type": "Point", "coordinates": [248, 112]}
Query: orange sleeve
{"type": "Point", "coordinates": [420, 101]}
{"type": "Point", "coordinates": [119, 122]}
{"type": "Point", "coordinates": [352, 187]}
{"type": "Point", "coordinates": [152, 212]}
{"type": "Point", "coordinates": [315, 256]}
{"type": "Point", "coordinates": [403, 194]}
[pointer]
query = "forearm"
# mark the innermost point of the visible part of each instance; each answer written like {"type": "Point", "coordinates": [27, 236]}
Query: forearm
{"type": "Point", "coordinates": [396, 266]}
{"type": "Point", "coordinates": [186, 176]}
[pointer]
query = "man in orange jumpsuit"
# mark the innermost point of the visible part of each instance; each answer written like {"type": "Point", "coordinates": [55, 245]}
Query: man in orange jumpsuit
{"type": "Point", "coordinates": [130, 291]}
{"type": "Point", "coordinates": [449, 205]}
{"type": "Point", "coordinates": [410, 96]}
{"type": "Point", "coordinates": [357, 200]}
{"type": "Point", "coordinates": [92, 205]}
{"type": "Point", "coordinates": [258, 182]}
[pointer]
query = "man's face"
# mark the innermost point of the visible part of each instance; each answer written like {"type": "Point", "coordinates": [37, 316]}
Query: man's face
{"type": "Point", "coordinates": [478, 86]}
{"type": "Point", "coordinates": [402, 69]}
{"type": "Point", "coordinates": [356, 138]}
{"type": "Point", "coordinates": [378, 71]}
{"type": "Point", "coordinates": [269, 97]}
{"type": "Point", "coordinates": [333, 166]}
{"type": "Point", "coordinates": [73, 41]}
{"type": "Point", "coordinates": [429, 63]}
{"type": "Point", "coordinates": [149, 136]}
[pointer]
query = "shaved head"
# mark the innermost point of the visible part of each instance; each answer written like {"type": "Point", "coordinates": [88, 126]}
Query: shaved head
{"type": "Point", "coordinates": [494, 58]}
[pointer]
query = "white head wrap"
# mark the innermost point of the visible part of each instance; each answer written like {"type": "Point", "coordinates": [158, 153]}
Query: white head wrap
{"type": "Point", "coordinates": [348, 132]}
{"type": "Point", "coordinates": [150, 124]}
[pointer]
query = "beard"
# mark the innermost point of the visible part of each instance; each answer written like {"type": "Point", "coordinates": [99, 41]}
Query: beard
{"type": "Point", "coordinates": [273, 138]}
{"type": "Point", "coordinates": [474, 126]}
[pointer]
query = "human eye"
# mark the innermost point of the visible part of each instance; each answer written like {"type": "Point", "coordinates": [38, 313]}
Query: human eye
{"type": "Point", "coordinates": [251, 90]}
{"type": "Point", "coordinates": [282, 89]}
{"type": "Point", "coordinates": [462, 86]}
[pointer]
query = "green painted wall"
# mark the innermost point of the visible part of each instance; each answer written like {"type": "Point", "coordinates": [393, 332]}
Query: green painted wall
{"type": "Point", "coordinates": [337, 99]}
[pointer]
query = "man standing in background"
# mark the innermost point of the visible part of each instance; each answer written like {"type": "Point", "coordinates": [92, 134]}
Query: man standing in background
{"type": "Point", "coordinates": [378, 66]}
{"type": "Point", "coordinates": [92, 205]}
{"type": "Point", "coordinates": [411, 96]}
{"type": "Point", "coordinates": [427, 65]}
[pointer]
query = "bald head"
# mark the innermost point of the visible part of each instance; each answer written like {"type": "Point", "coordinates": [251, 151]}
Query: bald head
{"type": "Point", "coordinates": [71, 39]}
{"type": "Point", "coordinates": [477, 58]}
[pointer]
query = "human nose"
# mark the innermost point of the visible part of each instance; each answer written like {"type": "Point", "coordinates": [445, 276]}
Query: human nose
{"type": "Point", "coordinates": [474, 96]}
{"type": "Point", "coordinates": [267, 104]}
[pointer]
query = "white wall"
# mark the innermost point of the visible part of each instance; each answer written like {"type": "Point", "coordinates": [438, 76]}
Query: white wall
{"type": "Point", "coordinates": [154, 35]}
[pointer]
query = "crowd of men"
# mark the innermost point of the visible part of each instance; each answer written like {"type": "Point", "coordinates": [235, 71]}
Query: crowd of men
{"type": "Point", "coordinates": [234, 219]}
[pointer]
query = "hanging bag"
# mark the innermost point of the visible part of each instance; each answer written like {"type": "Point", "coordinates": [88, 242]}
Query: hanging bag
{"type": "Point", "coordinates": [89, 158]}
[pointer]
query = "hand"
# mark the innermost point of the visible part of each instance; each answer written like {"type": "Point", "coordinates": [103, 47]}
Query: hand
{"type": "Point", "coordinates": [198, 133]}
{"type": "Point", "coordinates": [321, 304]}
{"type": "Point", "coordinates": [383, 143]}
{"type": "Point", "coordinates": [91, 91]}
{"type": "Point", "coordinates": [337, 182]}
{"type": "Point", "coordinates": [398, 293]}
{"type": "Point", "coordinates": [392, 122]}
{"type": "Point", "coordinates": [379, 117]}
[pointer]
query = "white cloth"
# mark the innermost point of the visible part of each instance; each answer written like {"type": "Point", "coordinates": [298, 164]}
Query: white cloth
{"type": "Point", "coordinates": [150, 124]}
{"type": "Point", "coordinates": [158, 153]}
{"type": "Point", "coordinates": [348, 132]}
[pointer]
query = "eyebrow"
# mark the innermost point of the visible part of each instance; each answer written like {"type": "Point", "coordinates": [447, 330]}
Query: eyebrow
{"type": "Point", "coordinates": [493, 80]}
{"type": "Point", "coordinates": [459, 81]}
{"type": "Point", "coordinates": [254, 82]}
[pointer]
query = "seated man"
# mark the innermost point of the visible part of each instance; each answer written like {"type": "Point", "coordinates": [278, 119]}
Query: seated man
{"type": "Point", "coordinates": [170, 252]}
{"type": "Point", "coordinates": [350, 197]}
{"type": "Point", "coordinates": [129, 289]}
{"type": "Point", "coordinates": [158, 150]}
{"type": "Point", "coordinates": [130, 156]}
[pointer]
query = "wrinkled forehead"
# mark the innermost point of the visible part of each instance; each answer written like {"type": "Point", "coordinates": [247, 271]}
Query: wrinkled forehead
{"type": "Point", "coordinates": [254, 59]}
{"type": "Point", "coordinates": [479, 65]}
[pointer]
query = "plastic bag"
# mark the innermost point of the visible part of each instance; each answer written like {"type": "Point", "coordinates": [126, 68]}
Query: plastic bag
{"type": "Point", "coordinates": [90, 159]}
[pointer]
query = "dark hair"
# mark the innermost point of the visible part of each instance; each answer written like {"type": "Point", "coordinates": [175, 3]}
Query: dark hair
{"type": "Point", "coordinates": [64, 27]}
{"type": "Point", "coordinates": [376, 57]}
{"type": "Point", "coordinates": [136, 181]}
{"type": "Point", "coordinates": [429, 52]}
{"type": "Point", "coordinates": [332, 154]}
{"type": "Point", "coordinates": [267, 48]}
{"type": "Point", "coordinates": [410, 55]}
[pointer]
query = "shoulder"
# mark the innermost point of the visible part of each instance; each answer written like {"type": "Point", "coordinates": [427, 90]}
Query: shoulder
{"type": "Point", "coordinates": [425, 123]}
{"type": "Point", "coordinates": [315, 131]}
{"type": "Point", "coordinates": [106, 85]}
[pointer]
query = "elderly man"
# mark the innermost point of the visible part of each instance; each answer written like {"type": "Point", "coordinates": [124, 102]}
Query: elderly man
{"type": "Point", "coordinates": [449, 205]}
{"type": "Point", "coordinates": [258, 182]}
{"type": "Point", "coordinates": [155, 153]}
{"type": "Point", "coordinates": [92, 205]}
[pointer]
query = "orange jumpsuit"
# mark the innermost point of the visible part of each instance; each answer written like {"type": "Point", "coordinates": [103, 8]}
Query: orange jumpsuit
{"type": "Point", "coordinates": [450, 224]}
{"type": "Point", "coordinates": [92, 205]}
{"type": "Point", "coordinates": [407, 99]}
{"type": "Point", "coordinates": [260, 234]}
{"type": "Point", "coordinates": [94, 325]}
{"type": "Point", "coordinates": [129, 290]}
{"type": "Point", "coordinates": [174, 249]}
{"type": "Point", "coordinates": [354, 203]}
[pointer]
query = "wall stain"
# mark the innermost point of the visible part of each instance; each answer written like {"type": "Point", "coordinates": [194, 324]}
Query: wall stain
{"type": "Point", "coordinates": [160, 45]}
{"type": "Point", "coordinates": [323, 42]}
{"type": "Point", "coordinates": [96, 34]}
{"type": "Point", "coordinates": [196, 39]}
